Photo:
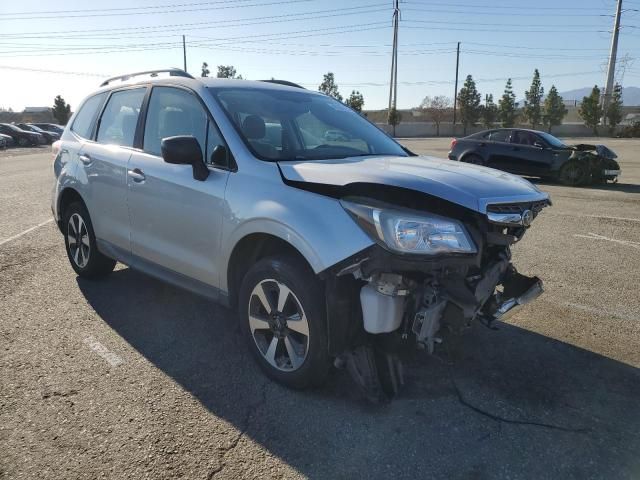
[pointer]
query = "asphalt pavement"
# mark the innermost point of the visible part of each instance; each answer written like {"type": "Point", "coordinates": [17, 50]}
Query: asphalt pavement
{"type": "Point", "coordinates": [131, 378]}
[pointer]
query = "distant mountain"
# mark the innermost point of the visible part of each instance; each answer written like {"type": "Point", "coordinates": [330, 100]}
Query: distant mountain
{"type": "Point", "coordinates": [630, 95]}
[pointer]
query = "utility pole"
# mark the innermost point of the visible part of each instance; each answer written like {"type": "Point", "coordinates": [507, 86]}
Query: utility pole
{"type": "Point", "coordinates": [393, 84]}
{"type": "Point", "coordinates": [455, 93]}
{"type": "Point", "coordinates": [184, 53]}
{"type": "Point", "coordinates": [611, 71]}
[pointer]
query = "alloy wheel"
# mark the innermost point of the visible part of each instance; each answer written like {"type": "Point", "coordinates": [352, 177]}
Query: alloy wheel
{"type": "Point", "coordinates": [78, 240]}
{"type": "Point", "coordinates": [278, 325]}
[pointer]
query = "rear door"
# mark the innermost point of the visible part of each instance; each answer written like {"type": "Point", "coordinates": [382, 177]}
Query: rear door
{"type": "Point", "coordinates": [176, 219]}
{"type": "Point", "coordinates": [498, 155]}
{"type": "Point", "coordinates": [103, 163]}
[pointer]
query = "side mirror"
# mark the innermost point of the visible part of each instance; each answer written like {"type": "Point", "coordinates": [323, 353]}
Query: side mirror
{"type": "Point", "coordinates": [219, 156]}
{"type": "Point", "coordinates": [185, 150]}
{"type": "Point", "coordinates": [539, 145]}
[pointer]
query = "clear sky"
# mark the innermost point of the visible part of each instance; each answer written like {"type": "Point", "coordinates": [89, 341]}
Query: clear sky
{"type": "Point", "coordinates": [300, 40]}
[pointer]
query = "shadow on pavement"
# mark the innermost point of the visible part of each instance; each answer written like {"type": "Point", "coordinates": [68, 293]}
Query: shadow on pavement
{"type": "Point", "coordinates": [611, 187]}
{"type": "Point", "coordinates": [495, 404]}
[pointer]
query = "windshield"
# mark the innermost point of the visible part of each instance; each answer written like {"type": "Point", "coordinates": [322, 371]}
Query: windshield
{"type": "Point", "coordinates": [12, 127]}
{"type": "Point", "coordinates": [299, 125]}
{"type": "Point", "coordinates": [33, 128]}
{"type": "Point", "coordinates": [551, 140]}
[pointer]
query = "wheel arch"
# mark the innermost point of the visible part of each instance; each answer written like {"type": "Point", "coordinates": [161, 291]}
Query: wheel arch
{"type": "Point", "coordinates": [471, 153]}
{"type": "Point", "coordinates": [250, 249]}
{"type": "Point", "coordinates": [67, 196]}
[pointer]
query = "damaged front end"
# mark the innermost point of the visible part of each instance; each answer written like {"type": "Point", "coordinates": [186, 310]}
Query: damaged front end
{"type": "Point", "coordinates": [600, 161]}
{"type": "Point", "coordinates": [461, 273]}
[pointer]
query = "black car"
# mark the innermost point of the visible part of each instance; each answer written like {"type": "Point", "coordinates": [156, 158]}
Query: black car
{"type": "Point", "coordinates": [21, 137]}
{"type": "Point", "coordinates": [537, 154]}
{"type": "Point", "coordinates": [49, 127]}
{"type": "Point", "coordinates": [49, 136]}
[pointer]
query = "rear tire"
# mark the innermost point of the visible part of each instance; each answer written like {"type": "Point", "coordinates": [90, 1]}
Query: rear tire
{"type": "Point", "coordinates": [80, 242]}
{"type": "Point", "coordinates": [282, 315]}
{"type": "Point", "coordinates": [474, 159]}
{"type": "Point", "coordinates": [23, 142]}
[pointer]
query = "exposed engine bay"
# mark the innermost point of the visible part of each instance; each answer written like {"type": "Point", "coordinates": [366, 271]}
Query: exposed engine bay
{"type": "Point", "coordinates": [395, 302]}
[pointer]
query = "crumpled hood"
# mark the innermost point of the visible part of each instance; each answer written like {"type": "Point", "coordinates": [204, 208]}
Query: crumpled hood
{"type": "Point", "coordinates": [471, 186]}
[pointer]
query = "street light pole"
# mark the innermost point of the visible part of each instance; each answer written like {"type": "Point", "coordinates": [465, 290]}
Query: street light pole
{"type": "Point", "coordinates": [611, 71]}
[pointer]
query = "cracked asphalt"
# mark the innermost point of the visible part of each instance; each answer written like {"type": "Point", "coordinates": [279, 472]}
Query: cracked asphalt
{"type": "Point", "coordinates": [132, 378]}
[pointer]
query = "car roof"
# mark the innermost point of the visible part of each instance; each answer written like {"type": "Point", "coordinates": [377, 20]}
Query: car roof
{"type": "Point", "coordinates": [204, 81]}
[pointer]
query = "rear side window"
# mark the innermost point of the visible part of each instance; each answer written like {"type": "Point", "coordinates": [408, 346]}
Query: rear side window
{"type": "Point", "coordinates": [501, 136]}
{"type": "Point", "coordinates": [87, 113]}
{"type": "Point", "coordinates": [120, 117]}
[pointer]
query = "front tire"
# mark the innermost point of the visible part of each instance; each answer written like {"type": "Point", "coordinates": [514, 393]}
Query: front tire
{"type": "Point", "coordinates": [80, 242]}
{"type": "Point", "coordinates": [282, 315]}
{"type": "Point", "coordinates": [574, 174]}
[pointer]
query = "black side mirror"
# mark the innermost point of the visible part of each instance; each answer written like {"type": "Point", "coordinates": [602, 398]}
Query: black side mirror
{"type": "Point", "coordinates": [185, 150]}
{"type": "Point", "coordinates": [219, 156]}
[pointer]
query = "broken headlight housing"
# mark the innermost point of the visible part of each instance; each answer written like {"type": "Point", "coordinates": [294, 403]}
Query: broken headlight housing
{"type": "Point", "coordinates": [408, 231]}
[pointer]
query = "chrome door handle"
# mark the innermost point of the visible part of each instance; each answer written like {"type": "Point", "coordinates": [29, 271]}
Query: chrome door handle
{"type": "Point", "coordinates": [86, 159]}
{"type": "Point", "coordinates": [136, 175]}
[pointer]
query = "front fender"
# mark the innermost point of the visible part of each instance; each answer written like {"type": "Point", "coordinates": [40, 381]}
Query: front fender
{"type": "Point", "coordinates": [316, 225]}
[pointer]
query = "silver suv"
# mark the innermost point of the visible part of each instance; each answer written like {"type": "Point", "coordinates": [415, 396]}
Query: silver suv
{"type": "Point", "coordinates": [335, 243]}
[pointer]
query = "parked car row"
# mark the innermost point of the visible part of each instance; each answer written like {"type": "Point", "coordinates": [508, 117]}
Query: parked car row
{"type": "Point", "coordinates": [29, 134]}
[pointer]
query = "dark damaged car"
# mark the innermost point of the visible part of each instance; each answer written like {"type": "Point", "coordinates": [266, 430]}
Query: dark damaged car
{"type": "Point", "coordinates": [537, 154]}
{"type": "Point", "coordinates": [334, 243]}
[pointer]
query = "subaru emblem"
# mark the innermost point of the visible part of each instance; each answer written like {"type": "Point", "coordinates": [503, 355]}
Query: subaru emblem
{"type": "Point", "coordinates": [527, 218]}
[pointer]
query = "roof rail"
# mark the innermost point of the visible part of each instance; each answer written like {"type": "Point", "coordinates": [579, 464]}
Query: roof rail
{"type": "Point", "coordinates": [173, 72]}
{"type": "Point", "coordinates": [284, 82]}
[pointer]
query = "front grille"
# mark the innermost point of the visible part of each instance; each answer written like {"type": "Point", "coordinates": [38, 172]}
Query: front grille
{"type": "Point", "coordinates": [535, 207]}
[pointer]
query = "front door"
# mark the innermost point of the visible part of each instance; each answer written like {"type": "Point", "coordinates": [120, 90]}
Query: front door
{"type": "Point", "coordinates": [529, 154]}
{"type": "Point", "coordinates": [176, 219]}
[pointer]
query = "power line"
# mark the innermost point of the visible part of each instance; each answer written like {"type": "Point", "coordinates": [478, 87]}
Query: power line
{"type": "Point", "coordinates": [225, 40]}
{"type": "Point", "coordinates": [108, 32]}
{"type": "Point", "coordinates": [62, 72]}
{"type": "Point", "coordinates": [146, 12]}
{"type": "Point", "coordinates": [495, 6]}
{"type": "Point", "coordinates": [121, 9]}
{"type": "Point", "coordinates": [507, 14]}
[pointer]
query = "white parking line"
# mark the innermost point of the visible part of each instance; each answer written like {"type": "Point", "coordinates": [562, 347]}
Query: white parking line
{"type": "Point", "coordinates": [111, 358]}
{"type": "Point", "coordinates": [10, 239]}
{"type": "Point", "coordinates": [606, 217]}
{"type": "Point", "coordinates": [595, 236]}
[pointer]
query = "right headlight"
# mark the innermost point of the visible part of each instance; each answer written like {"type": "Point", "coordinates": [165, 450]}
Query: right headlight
{"type": "Point", "coordinates": [408, 231]}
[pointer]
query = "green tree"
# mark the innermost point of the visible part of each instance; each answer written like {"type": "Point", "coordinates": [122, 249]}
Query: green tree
{"type": "Point", "coordinates": [614, 110]}
{"type": "Point", "coordinates": [329, 87]}
{"type": "Point", "coordinates": [61, 110]}
{"type": "Point", "coordinates": [205, 70]}
{"type": "Point", "coordinates": [554, 109]}
{"type": "Point", "coordinates": [591, 110]}
{"type": "Point", "coordinates": [533, 101]}
{"type": "Point", "coordinates": [469, 102]}
{"type": "Point", "coordinates": [507, 106]}
{"type": "Point", "coordinates": [437, 108]}
{"type": "Point", "coordinates": [489, 112]}
{"type": "Point", "coordinates": [394, 118]}
{"type": "Point", "coordinates": [355, 101]}
{"type": "Point", "coordinates": [228, 71]}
